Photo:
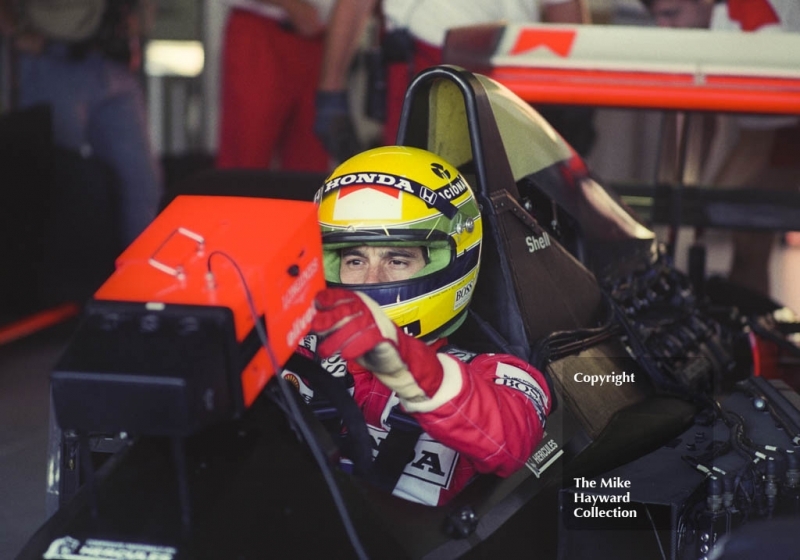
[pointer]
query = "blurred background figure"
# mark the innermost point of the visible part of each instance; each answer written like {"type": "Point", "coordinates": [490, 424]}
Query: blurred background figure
{"type": "Point", "coordinates": [82, 59]}
{"type": "Point", "coordinates": [411, 39]}
{"type": "Point", "coordinates": [744, 151]}
{"type": "Point", "coordinates": [272, 50]}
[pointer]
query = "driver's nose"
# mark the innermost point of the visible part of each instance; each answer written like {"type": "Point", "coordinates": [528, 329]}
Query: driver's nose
{"type": "Point", "coordinates": [373, 275]}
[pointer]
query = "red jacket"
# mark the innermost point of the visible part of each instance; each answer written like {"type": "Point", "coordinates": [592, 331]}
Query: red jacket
{"type": "Point", "coordinates": [492, 425]}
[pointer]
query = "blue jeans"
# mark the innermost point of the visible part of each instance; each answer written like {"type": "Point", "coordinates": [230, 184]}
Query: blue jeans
{"type": "Point", "coordinates": [98, 108]}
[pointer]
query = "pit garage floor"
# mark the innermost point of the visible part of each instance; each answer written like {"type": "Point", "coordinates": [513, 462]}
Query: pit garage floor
{"type": "Point", "coordinates": [24, 409]}
{"type": "Point", "coordinates": [26, 363]}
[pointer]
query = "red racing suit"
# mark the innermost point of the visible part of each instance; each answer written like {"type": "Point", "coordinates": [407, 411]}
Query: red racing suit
{"type": "Point", "coordinates": [492, 425]}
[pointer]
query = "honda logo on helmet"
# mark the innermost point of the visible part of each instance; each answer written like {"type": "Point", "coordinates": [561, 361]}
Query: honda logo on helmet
{"type": "Point", "coordinates": [369, 179]}
{"type": "Point", "coordinates": [428, 196]}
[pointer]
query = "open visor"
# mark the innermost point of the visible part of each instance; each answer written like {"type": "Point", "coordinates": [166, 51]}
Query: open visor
{"type": "Point", "coordinates": [437, 247]}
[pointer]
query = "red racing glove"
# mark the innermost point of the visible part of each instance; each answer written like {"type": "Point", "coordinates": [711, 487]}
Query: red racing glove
{"type": "Point", "coordinates": [355, 326]}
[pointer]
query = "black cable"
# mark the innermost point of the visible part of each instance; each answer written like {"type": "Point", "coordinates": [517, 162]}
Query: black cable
{"type": "Point", "coordinates": [262, 333]}
{"type": "Point", "coordinates": [655, 531]}
{"type": "Point", "coordinates": [738, 483]}
{"type": "Point", "coordinates": [296, 416]}
{"type": "Point", "coordinates": [85, 458]}
{"type": "Point", "coordinates": [182, 473]}
{"type": "Point", "coordinates": [734, 426]}
{"type": "Point", "coordinates": [757, 454]}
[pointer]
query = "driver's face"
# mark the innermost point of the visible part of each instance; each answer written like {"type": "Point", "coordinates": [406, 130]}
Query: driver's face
{"type": "Point", "coordinates": [682, 13]}
{"type": "Point", "coordinates": [370, 265]}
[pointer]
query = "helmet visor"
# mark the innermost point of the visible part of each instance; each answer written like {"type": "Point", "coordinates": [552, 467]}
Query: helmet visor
{"type": "Point", "coordinates": [438, 249]}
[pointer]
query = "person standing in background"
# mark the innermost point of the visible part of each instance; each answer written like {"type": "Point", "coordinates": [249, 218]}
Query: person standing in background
{"type": "Point", "coordinates": [272, 52]}
{"type": "Point", "coordinates": [746, 151]}
{"type": "Point", "coordinates": [82, 59]}
{"type": "Point", "coordinates": [414, 35]}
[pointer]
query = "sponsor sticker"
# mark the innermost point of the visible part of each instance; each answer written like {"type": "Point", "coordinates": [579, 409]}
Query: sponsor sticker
{"type": "Point", "coordinates": [305, 391]}
{"type": "Point", "coordinates": [544, 455]}
{"type": "Point", "coordinates": [296, 291]}
{"type": "Point", "coordinates": [335, 365]}
{"type": "Point", "coordinates": [381, 182]}
{"type": "Point", "coordinates": [433, 462]}
{"type": "Point", "coordinates": [462, 295]}
{"type": "Point", "coordinates": [69, 548]}
{"type": "Point", "coordinates": [519, 380]}
{"type": "Point", "coordinates": [460, 354]}
{"type": "Point", "coordinates": [454, 190]}
{"type": "Point", "coordinates": [537, 243]}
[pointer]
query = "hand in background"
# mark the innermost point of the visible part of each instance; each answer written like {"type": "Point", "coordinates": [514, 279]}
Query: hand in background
{"type": "Point", "coordinates": [304, 18]}
{"type": "Point", "coordinates": [30, 42]}
{"type": "Point", "coordinates": [333, 125]}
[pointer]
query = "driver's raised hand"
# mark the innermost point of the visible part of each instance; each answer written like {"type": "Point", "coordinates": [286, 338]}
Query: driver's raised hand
{"type": "Point", "coordinates": [353, 325]}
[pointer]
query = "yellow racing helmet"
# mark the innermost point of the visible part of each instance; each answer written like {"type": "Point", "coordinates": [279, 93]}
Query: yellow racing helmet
{"type": "Point", "coordinates": [402, 196]}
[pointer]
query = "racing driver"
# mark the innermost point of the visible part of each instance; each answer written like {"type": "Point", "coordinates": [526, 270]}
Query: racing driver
{"type": "Point", "coordinates": [401, 234]}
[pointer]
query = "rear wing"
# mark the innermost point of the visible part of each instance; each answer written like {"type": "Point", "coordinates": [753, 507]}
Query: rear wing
{"type": "Point", "coordinates": [629, 66]}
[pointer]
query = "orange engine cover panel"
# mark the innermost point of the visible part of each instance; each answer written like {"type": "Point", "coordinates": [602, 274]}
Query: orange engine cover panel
{"type": "Point", "coordinates": [260, 257]}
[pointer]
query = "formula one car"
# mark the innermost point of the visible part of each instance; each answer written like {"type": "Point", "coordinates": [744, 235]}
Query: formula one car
{"type": "Point", "coordinates": [676, 416]}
